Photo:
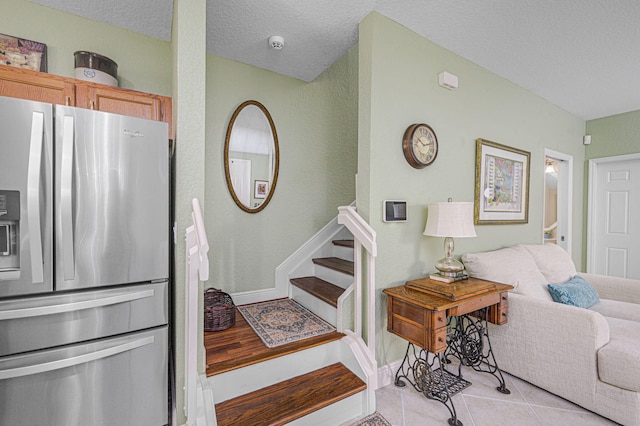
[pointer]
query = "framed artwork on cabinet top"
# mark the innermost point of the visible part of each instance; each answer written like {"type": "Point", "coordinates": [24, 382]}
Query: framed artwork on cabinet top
{"type": "Point", "coordinates": [21, 53]}
{"type": "Point", "coordinates": [502, 184]}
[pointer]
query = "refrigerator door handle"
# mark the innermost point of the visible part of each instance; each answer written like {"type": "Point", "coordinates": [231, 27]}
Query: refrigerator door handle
{"type": "Point", "coordinates": [66, 198]}
{"type": "Point", "coordinates": [77, 360]}
{"type": "Point", "coordinates": [33, 196]}
{"type": "Point", "coordinates": [74, 306]}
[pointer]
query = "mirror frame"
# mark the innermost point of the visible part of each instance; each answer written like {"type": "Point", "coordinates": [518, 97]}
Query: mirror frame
{"type": "Point", "coordinates": [274, 180]}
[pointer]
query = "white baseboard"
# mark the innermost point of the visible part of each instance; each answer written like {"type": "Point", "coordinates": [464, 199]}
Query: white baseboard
{"type": "Point", "coordinates": [387, 373]}
{"type": "Point", "coordinates": [259, 296]}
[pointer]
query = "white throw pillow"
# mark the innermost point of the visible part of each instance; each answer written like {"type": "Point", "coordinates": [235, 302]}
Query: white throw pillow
{"type": "Point", "coordinates": [511, 265]}
{"type": "Point", "coordinates": [553, 262]}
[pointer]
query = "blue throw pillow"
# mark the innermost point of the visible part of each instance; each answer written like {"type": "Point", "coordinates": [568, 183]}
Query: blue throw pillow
{"type": "Point", "coordinates": [575, 292]}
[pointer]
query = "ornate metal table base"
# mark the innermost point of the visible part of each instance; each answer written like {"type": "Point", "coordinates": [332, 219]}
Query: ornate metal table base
{"type": "Point", "coordinates": [466, 338]}
{"type": "Point", "coordinates": [434, 382]}
{"type": "Point", "coordinates": [426, 372]}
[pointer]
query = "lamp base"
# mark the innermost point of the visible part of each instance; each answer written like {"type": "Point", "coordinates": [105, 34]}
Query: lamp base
{"type": "Point", "coordinates": [449, 267]}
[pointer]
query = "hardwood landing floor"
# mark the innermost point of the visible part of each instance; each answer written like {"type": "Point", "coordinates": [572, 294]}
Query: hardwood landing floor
{"type": "Point", "coordinates": [239, 346]}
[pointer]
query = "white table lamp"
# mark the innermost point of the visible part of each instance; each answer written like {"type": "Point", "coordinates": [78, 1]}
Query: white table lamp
{"type": "Point", "coordinates": [450, 220]}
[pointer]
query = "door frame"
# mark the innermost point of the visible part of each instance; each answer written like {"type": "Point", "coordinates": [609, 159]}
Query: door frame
{"type": "Point", "coordinates": [593, 175]}
{"type": "Point", "coordinates": [565, 190]}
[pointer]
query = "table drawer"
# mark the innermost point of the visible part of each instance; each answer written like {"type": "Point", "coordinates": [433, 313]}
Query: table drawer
{"type": "Point", "coordinates": [473, 305]}
{"type": "Point", "coordinates": [406, 310]}
{"type": "Point", "coordinates": [425, 328]}
{"type": "Point", "coordinates": [407, 330]}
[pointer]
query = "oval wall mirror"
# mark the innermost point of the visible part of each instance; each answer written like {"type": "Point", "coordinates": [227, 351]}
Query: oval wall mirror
{"type": "Point", "coordinates": [251, 156]}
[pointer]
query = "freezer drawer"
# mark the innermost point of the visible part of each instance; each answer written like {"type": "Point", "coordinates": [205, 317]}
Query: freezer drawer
{"type": "Point", "coordinates": [43, 322]}
{"type": "Point", "coordinates": [119, 381]}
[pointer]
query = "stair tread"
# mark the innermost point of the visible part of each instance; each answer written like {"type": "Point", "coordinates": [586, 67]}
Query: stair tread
{"type": "Point", "coordinates": [291, 399]}
{"type": "Point", "coordinates": [337, 264]}
{"type": "Point", "coordinates": [323, 290]}
{"type": "Point", "coordinates": [343, 243]}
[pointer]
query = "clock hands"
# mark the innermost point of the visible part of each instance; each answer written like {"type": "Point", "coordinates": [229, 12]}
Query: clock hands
{"type": "Point", "coordinates": [423, 147]}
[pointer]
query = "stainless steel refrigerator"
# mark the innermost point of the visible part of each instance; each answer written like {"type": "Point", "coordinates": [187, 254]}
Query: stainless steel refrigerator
{"type": "Point", "coordinates": [84, 267]}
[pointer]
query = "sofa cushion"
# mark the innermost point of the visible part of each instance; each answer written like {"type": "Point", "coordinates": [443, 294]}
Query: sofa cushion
{"type": "Point", "coordinates": [511, 265]}
{"type": "Point", "coordinates": [553, 262]}
{"type": "Point", "coordinates": [575, 292]}
{"type": "Point", "coordinates": [618, 360]}
{"type": "Point", "coordinates": [617, 309]}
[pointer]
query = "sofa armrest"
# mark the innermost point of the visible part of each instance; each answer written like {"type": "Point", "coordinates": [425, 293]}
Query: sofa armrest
{"type": "Point", "coordinates": [614, 288]}
{"type": "Point", "coordinates": [552, 345]}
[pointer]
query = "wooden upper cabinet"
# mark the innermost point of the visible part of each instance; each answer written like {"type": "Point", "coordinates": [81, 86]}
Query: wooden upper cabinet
{"type": "Point", "coordinates": [36, 86]}
{"type": "Point", "coordinates": [123, 101]}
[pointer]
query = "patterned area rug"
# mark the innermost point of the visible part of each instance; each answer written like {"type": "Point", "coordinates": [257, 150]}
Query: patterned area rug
{"type": "Point", "coordinates": [374, 419]}
{"type": "Point", "coordinates": [283, 321]}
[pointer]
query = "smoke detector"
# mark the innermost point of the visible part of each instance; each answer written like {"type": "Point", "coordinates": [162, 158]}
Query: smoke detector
{"type": "Point", "coordinates": [276, 42]}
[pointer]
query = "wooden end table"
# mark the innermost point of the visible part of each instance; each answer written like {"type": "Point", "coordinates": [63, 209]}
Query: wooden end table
{"type": "Point", "coordinates": [446, 320]}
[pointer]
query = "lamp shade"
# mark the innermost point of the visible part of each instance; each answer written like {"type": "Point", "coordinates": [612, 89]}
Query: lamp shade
{"type": "Point", "coordinates": [452, 219]}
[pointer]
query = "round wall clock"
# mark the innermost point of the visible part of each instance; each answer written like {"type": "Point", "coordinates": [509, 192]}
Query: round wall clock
{"type": "Point", "coordinates": [420, 145]}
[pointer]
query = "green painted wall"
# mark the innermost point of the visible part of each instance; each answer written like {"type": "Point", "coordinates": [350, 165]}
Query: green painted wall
{"type": "Point", "coordinates": [615, 135]}
{"type": "Point", "coordinates": [144, 63]}
{"type": "Point", "coordinates": [398, 86]}
{"type": "Point", "coordinates": [316, 125]}
{"type": "Point", "coordinates": [189, 102]}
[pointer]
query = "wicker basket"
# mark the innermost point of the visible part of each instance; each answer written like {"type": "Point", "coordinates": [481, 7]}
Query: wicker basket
{"type": "Point", "coordinates": [219, 310]}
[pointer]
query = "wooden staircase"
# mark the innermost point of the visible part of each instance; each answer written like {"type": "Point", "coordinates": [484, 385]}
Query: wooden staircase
{"type": "Point", "coordinates": [325, 392]}
{"type": "Point", "coordinates": [333, 274]}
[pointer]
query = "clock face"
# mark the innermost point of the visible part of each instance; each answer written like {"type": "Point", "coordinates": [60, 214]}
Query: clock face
{"type": "Point", "coordinates": [420, 145]}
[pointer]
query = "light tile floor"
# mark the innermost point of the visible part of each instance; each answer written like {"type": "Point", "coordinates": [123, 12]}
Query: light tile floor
{"type": "Point", "coordinates": [482, 405]}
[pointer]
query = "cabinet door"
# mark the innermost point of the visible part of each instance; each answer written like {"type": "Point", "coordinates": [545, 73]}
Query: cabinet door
{"type": "Point", "coordinates": [36, 86]}
{"type": "Point", "coordinates": [124, 101]}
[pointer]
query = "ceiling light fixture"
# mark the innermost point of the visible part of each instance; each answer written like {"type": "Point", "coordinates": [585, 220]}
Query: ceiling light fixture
{"type": "Point", "coordinates": [276, 42]}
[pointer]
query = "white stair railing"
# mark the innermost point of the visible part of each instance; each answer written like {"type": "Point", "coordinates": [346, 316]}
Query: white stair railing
{"type": "Point", "coordinates": [198, 403]}
{"type": "Point", "coordinates": [364, 237]}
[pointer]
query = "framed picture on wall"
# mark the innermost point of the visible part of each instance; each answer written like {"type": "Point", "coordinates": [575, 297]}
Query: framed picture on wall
{"type": "Point", "coordinates": [502, 184]}
{"type": "Point", "coordinates": [260, 189]}
{"type": "Point", "coordinates": [21, 53]}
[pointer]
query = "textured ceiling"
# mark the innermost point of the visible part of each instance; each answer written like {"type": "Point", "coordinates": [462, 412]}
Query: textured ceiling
{"type": "Point", "coordinates": [582, 55]}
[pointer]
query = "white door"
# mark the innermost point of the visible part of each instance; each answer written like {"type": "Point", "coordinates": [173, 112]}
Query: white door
{"type": "Point", "coordinates": [614, 216]}
{"type": "Point", "coordinates": [558, 197]}
{"type": "Point", "coordinates": [240, 171]}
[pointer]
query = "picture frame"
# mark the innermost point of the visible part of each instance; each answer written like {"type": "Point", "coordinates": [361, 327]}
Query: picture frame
{"type": "Point", "coordinates": [502, 184]}
{"type": "Point", "coordinates": [260, 188]}
{"type": "Point", "coordinates": [22, 53]}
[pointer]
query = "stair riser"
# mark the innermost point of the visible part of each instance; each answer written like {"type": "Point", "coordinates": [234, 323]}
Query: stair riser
{"type": "Point", "coordinates": [343, 252]}
{"type": "Point", "coordinates": [248, 379]}
{"type": "Point", "coordinates": [315, 305]}
{"type": "Point", "coordinates": [335, 414]}
{"type": "Point", "coordinates": [338, 278]}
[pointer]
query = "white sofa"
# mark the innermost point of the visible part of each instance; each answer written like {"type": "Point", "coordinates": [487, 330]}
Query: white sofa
{"type": "Point", "coordinates": [588, 356]}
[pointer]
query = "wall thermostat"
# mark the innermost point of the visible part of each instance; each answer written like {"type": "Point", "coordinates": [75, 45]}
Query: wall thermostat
{"type": "Point", "coordinates": [394, 211]}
